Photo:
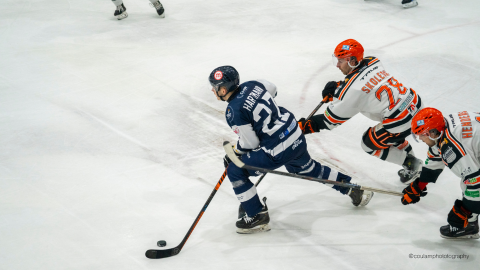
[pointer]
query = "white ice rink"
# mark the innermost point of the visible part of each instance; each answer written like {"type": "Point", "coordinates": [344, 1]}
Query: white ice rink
{"type": "Point", "coordinates": [111, 140]}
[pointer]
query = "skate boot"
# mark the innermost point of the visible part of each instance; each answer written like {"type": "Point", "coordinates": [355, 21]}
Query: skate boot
{"type": "Point", "coordinates": [360, 197]}
{"type": "Point", "coordinates": [258, 223]}
{"type": "Point", "coordinates": [121, 12]}
{"type": "Point", "coordinates": [241, 211]}
{"type": "Point", "coordinates": [469, 232]}
{"type": "Point", "coordinates": [412, 167]}
{"type": "Point", "coordinates": [409, 3]}
{"type": "Point", "coordinates": [160, 10]}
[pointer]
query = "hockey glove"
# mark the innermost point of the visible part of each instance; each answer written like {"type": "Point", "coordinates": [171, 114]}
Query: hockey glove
{"type": "Point", "coordinates": [308, 127]}
{"type": "Point", "coordinates": [329, 90]}
{"type": "Point", "coordinates": [412, 193]}
{"type": "Point", "coordinates": [458, 216]}
{"type": "Point", "coordinates": [227, 160]}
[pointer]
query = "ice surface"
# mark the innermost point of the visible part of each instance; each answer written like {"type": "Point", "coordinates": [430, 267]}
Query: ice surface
{"type": "Point", "coordinates": [111, 140]}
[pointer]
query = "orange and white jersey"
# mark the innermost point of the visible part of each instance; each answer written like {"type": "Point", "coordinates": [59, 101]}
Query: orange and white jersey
{"type": "Point", "coordinates": [375, 93]}
{"type": "Point", "coordinates": [458, 149]}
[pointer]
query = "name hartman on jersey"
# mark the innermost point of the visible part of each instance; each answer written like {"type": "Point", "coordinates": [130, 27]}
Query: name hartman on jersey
{"type": "Point", "coordinates": [252, 98]}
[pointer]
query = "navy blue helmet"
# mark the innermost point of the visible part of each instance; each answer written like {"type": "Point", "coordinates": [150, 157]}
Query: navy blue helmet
{"type": "Point", "coordinates": [226, 76]}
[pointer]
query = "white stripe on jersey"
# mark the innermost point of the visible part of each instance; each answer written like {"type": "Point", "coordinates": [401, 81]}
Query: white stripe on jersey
{"type": "Point", "coordinates": [284, 145]}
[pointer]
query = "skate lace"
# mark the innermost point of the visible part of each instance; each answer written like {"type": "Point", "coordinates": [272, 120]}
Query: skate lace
{"type": "Point", "coordinates": [156, 5]}
{"type": "Point", "coordinates": [120, 8]}
{"type": "Point", "coordinates": [247, 219]}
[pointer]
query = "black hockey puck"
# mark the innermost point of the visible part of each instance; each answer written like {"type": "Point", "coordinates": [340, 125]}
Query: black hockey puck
{"type": "Point", "coordinates": [161, 243]}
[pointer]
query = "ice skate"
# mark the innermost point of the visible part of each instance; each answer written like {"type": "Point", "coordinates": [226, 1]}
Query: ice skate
{"type": "Point", "coordinates": [360, 197]}
{"type": "Point", "coordinates": [258, 223]}
{"type": "Point", "coordinates": [241, 211]}
{"type": "Point", "coordinates": [412, 167]}
{"type": "Point", "coordinates": [121, 12]}
{"type": "Point", "coordinates": [469, 232]}
{"type": "Point", "coordinates": [409, 3]}
{"type": "Point", "coordinates": [160, 10]}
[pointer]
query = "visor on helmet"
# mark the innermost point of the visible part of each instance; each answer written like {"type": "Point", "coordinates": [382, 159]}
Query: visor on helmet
{"type": "Point", "coordinates": [428, 133]}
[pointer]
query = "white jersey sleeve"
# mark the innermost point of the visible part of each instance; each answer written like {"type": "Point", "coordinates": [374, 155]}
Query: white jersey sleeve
{"type": "Point", "coordinates": [375, 93]}
{"type": "Point", "coordinates": [271, 88]}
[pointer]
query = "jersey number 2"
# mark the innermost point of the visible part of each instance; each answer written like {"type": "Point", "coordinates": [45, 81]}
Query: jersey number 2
{"type": "Point", "coordinates": [388, 88]}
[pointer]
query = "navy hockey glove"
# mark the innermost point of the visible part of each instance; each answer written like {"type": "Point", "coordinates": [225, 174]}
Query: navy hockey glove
{"type": "Point", "coordinates": [458, 216]}
{"type": "Point", "coordinates": [329, 90]}
{"type": "Point", "coordinates": [308, 127]}
{"type": "Point", "coordinates": [412, 193]}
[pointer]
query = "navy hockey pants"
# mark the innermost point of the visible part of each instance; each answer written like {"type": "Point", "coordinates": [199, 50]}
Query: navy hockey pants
{"type": "Point", "coordinates": [295, 159]}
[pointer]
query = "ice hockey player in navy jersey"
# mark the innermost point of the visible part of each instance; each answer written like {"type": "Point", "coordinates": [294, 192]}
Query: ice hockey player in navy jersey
{"type": "Point", "coordinates": [268, 137]}
{"type": "Point", "coordinates": [454, 142]}
{"type": "Point", "coordinates": [370, 90]}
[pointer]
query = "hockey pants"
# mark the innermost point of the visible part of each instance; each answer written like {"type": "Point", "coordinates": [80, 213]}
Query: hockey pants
{"type": "Point", "coordinates": [295, 159]}
{"type": "Point", "coordinates": [391, 147]}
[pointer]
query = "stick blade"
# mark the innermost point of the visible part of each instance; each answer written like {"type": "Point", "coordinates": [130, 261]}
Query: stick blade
{"type": "Point", "coordinates": [161, 253]}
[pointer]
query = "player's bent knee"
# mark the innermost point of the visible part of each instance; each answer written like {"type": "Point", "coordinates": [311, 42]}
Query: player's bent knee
{"type": "Point", "coordinates": [366, 148]}
{"type": "Point", "coordinates": [235, 173]}
{"type": "Point", "coordinates": [367, 144]}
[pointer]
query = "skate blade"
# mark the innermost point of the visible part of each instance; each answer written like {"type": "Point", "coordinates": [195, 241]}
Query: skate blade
{"type": "Point", "coordinates": [122, 16]}
{"type": "Point", "coordinates": [261, 228]}
{"type": "Point", "coordinates": [162, 16]}
{"type": "Point", "coordinates": [471, 236]}
{"type": "Point", "coordinates": [367, 196]}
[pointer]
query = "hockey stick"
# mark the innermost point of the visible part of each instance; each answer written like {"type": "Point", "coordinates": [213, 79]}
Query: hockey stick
{"type": "Point", "coordinates": [318, 107]}
{"type": "Point", "coordinates": [229, 150]}
{"type": "Point", "coordinates": [164, 253]}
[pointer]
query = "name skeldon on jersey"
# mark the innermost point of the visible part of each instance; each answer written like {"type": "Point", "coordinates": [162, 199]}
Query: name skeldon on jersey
{"type": "Point", "coordinates": [370, 84]}
{"type": "Point", "coordinates": [252, 98]}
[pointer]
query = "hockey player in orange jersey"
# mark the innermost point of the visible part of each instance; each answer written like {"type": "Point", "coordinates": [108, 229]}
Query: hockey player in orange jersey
{"type": "Point", "coordinates": [371, 90]}
{"type": "Point", "coordinates": [454, 142]}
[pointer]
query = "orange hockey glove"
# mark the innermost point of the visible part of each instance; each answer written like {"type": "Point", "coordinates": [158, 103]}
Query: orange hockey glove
{"type": "Point", "coordinates": [308, 126]}
{"type": "Point", "coordinates": [412, 193]}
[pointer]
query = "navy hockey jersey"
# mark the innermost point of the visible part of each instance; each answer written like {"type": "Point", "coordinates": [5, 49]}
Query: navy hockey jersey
{"type": "Point", "coordinates": [257, 120]}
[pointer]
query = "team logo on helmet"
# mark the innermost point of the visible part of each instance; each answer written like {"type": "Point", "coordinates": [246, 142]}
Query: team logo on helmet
{"type": "Point", "coordinates": [218, 75]}
{"type": "Point", "coordinates": [345, 47]}
{"type": "Point", "coordinates": [420, 123]}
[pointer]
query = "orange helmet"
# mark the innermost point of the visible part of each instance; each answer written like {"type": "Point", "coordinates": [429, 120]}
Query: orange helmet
{"type": "Point", "coordinates": [347, 48]}
{"type": "Point", "coordinates": [427, 119]}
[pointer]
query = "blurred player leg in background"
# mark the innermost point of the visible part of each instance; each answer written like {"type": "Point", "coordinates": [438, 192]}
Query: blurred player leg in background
{"type": "Point", "coordinates": [409, 3]}
{"type": "Point", "coordinates": [159, 7]}
{"type": "Point", "coordinates": [121, 11]}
